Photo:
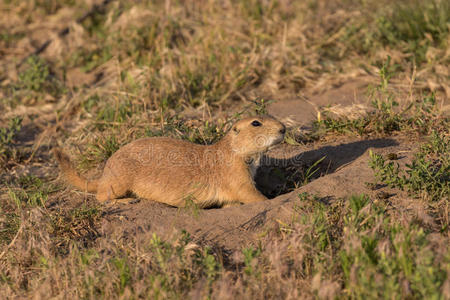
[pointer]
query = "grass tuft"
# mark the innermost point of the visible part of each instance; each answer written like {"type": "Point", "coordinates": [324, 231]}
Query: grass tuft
{"type": "Point", "coordinates": [426, 176]}
{"type": "Point", "coordinates": [7, 136]}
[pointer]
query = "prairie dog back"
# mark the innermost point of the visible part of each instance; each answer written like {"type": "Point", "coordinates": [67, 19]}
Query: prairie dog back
{"type": "Point", "coordinates": [175, 171]}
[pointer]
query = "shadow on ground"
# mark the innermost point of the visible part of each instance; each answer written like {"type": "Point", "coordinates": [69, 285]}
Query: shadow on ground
{"type": "Point", "coordinates": [234, 227]}
{"type": "Point", "coordinates": [280, 176]}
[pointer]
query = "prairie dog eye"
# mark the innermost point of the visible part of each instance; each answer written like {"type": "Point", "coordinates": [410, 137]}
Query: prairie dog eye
{"type": "Point", "coordinates": [256, 123]}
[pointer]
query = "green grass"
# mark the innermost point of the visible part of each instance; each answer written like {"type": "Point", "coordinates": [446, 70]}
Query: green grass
{"type": "Point", "coordinates": [385, 259]}
{"type": "Point", "coordinates": [35, 76]}
{"type": "Point", "coordinates": [7, 136]}
{"type": "Point", "coordinates": [150, 69]}
{"type": "Point", "coordinates": [352, 248]}
{"type": "Point", "coordinates": [90, 60]}
{"type": "Point", "coordinates": [35, 84]}
{"type": "Point", "coordinates": [387, 116]}
{"type": "Point", "coordinates": [411, 27]}
{"type": "Point", "coordinates": [378, 256]}
{"type": "Point", "coordinates": [414, 26]}
{"type": "Point", "coordinates": [426, 176]}
{"type": "Point", "coordinates": [30, 190]}
{"type": "Point", "coordinates": [99, 151]}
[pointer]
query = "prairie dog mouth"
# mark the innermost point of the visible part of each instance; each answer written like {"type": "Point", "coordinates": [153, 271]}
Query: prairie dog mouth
{"type": "Point", "coordinates": [267, 140]}
{"type": "Point", "coordinates": [275, 142]}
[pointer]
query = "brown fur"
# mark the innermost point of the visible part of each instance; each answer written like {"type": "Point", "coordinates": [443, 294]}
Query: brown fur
{"type": "Point", "coordinates": [175, 171]}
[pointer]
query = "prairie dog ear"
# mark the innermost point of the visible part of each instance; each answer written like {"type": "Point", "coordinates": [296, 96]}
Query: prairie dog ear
{"type": "Point", "coordinates": [235, 130]}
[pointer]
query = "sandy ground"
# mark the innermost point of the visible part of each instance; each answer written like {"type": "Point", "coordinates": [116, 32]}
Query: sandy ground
{"type": "Point", "coordinates": [343, 172]}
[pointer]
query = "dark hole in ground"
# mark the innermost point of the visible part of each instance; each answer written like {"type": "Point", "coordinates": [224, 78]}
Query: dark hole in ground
{"type": "Point", "coordinates": [280, 176]}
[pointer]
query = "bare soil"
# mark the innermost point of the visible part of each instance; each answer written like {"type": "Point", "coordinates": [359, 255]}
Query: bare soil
{"type": "Point", "coordinates": [343, 172]}
{"type": "Point", "coordinates": [89, 76]}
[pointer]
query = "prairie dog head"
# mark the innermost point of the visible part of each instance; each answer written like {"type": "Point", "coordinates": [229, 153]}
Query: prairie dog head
{"type": "Point", "coordinates": [256, 134]}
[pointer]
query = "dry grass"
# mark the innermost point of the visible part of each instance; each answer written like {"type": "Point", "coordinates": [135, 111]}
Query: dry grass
{"type": "Point", "coordinates": [93, 75]}
{"type": "Point", "coordinates": [355, 248]}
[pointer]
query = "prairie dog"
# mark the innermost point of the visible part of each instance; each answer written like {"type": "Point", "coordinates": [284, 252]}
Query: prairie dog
{"type": "Point", "coordinates": [173, 171]}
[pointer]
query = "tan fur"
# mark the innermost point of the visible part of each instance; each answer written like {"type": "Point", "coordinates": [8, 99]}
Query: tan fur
{"type": "Point", "coordinates": [71, 175]}
{"type": "Point", "coordinates": [175, 171]}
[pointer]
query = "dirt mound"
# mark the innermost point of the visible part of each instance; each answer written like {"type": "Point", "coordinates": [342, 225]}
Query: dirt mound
{"type": "Point", "coordinates": [336, 170]}
{"type": "Point", "coordinates": [343, 172]}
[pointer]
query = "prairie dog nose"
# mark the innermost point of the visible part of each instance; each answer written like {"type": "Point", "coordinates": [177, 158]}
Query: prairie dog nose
{"type": "Point", "coordinates": [283, 130]}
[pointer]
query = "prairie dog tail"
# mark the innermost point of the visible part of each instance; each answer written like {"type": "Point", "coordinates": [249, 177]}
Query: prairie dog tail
{"type": "Point", "coordinates": [71, 175]}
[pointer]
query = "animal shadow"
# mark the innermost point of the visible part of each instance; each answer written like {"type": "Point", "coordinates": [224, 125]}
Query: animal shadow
{"type": "Point", "coordinates": [276, 176]}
